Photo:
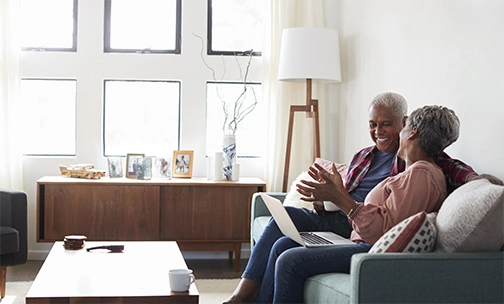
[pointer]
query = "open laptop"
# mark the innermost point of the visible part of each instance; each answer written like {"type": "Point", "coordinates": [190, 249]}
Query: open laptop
{"type": "Point", "coordinates": [307, 239]}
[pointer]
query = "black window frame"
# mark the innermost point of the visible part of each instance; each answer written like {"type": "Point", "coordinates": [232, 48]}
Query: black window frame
{"type": "Point", "coordinates": [179, 131]}
{"type": "Point", "coordinates": [210, 51]}
{"type": "Point", "coordinates": [73, 48]}
{"type": "Point", "coordinates": [178, 34]}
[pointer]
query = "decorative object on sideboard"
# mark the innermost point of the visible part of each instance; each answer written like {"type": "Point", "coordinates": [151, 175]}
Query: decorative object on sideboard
{"type": "Point", "coordinates": [144, 167]}
{"type": "Point", "coordinates": [308, 55]}
{"type": "Point", "coordinates": [114, 167]}
{"type": "Point", "coordinates": [131, 164]}
{"type": "Point", "coordinates": [163, 168]}
{"type": "Point", "coordinates": [82, 171]}
{"type": "Point", "coordinates": [182, 163]}
{"type": "Point", "coordinates": [235, 109]}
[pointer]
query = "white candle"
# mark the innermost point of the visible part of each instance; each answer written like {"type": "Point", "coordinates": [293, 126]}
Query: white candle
{"type": "Point", "coordinates": [236, 171]}
{"type": "Point", "coordinates": [218, 174]}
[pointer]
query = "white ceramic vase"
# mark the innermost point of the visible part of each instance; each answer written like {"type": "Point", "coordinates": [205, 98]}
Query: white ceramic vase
{"type": "Point", "coordinates": [229, 151]}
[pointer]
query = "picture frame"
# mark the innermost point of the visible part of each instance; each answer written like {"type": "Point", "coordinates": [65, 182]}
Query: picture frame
{"type": "Point", "coordinates": [182, 163]}
{"type": "Point", "coordinates": [114, 167]}
{"type": "Point", "coordinates": [131, 164]}
{"type": "Point", "coordinates": [144, 167]}
{"type": "Point", "coordinates": [163, 168]}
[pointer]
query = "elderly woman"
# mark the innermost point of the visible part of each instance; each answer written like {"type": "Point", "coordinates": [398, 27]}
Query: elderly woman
{"type": "Point", "coordinates": [421, 187]}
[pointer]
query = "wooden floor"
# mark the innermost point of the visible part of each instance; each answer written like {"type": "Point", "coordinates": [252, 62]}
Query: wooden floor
{"type": "Point", "coordinates": [203, 269]}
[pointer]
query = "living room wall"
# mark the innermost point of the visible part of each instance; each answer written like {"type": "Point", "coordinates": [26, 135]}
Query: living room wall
{"type": "Point", "coordinates": [432, 52]}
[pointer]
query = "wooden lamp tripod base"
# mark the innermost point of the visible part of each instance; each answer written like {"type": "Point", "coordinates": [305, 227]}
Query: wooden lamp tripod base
{"type": "Point", "coordinates": [311, 110]}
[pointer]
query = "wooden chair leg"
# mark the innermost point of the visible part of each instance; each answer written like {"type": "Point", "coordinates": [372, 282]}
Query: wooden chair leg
{"type": "Point", "coordinates": [3, 280]}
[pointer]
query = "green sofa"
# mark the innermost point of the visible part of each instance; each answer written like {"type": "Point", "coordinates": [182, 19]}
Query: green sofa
{"type": "Point", "coordinates": [437, 277]}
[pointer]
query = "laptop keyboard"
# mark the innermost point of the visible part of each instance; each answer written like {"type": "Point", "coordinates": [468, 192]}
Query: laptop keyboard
{"type": "Point", "coordinates": [312, 238]}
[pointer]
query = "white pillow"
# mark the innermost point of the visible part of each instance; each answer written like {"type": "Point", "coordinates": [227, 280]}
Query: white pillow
{"type": "Point", "coordinates": [293, 198]}
{"type": "Point", "coordinates": [471, 218]}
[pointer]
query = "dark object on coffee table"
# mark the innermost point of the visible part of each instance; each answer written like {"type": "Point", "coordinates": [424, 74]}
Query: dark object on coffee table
{"type": "Point", "coordinates": [111, 248]}
{"type": "Point", "coordinates": [74, 242]}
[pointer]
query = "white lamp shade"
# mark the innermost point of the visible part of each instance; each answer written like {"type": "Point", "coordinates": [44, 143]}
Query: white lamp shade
{"type": "Point", "coordinates": [309, 52]}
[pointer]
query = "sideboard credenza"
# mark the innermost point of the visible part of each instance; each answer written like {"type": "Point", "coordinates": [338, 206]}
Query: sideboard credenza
{"type": "Point", "coordinates": [199, 214]}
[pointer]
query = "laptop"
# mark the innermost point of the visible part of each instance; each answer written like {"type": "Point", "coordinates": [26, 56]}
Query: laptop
{"type": "Point", "coordinates": [307, 239]}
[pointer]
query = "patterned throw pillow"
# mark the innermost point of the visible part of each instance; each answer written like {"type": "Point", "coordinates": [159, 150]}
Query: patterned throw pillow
{"type": "Point", "coordinates": [415, 234]}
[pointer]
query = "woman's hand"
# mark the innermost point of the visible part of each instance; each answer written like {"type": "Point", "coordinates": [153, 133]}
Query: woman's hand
{"type": "Point", "coordinates": [326, 187]}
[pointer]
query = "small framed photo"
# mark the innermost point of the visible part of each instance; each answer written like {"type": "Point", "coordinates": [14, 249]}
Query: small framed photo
{"type": "Point", "coordinates": [163, 168]}
{"type": "Point", "coordinates": [182, 163]}
{"type": "Point", "coordinates": [144, 165]}
{"type": "Point", "coordinates": [114, 167]}
{"type": "Point", "coordinates": [132, 167]}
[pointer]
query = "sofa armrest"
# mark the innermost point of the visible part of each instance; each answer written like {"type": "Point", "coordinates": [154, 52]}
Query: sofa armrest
{"type": "Point", "coordinates": [471, 277]}
{"type": "Point", "coordinates": [258, 208]}
{"type": "Point", "coordinates": [14, 214]}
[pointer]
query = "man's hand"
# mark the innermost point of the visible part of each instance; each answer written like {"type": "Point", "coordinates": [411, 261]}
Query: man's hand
{"type": "Point", "coordinates": [493, 179]}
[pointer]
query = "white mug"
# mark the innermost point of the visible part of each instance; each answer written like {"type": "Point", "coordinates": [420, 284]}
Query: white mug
{"type": "Point", "coordinates": [180, 279]}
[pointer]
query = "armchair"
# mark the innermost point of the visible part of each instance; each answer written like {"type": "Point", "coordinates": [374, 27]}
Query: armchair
{"type": "Point", "coordinates": [13, 232]}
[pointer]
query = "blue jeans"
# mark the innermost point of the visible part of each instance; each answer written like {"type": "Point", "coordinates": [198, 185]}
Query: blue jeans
{"type": "Point", "coordinates": [290, 264]}
{"type": "Point", "coordinates": [305, 220]}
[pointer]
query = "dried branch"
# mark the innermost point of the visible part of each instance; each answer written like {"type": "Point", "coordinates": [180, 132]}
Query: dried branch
{"type": "Point", "coordinates": [239, 112]}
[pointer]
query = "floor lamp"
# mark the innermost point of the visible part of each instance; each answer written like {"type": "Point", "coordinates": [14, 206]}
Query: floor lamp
{"type": "Point", "coordinates": [308, 54]}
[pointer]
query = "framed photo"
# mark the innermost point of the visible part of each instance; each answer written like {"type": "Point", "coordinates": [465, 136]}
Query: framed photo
{"type": "Point", "coordinates": [114, 167]}
{"type": "Point", "coordinates": [132, 167]}
{"type": "Point", "coordinates": [163, 168]}
{"type": "Point", "coordinates": [182, 163]}
{"type": "Point", "coordinates": [144, 167]}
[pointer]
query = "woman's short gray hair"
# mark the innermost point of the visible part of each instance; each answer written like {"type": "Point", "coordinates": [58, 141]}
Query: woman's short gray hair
{"type": "Point", "coordinates": [395, 102]}
{"type": "Point", "coordinates": [437, 128]}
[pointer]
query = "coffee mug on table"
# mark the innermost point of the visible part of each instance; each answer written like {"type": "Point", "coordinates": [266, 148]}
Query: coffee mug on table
{"type": "Point", "coordinates": [180, 279]}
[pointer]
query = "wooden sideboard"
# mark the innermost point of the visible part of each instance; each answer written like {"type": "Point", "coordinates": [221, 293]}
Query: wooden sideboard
{"type": "Point", "coordinates": [200, 215]}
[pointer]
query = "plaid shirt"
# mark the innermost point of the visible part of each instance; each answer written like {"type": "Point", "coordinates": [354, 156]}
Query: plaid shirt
{"type": "Point", "coordinates": [454, 170]}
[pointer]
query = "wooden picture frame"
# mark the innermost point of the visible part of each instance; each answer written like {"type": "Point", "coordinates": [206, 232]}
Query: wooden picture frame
{"type": "Point", "coordinates": [182, 163]}
{"type": "Point", "coordinates": [114, 167]}
{"type": "Point", "coordinates": [131, 164]}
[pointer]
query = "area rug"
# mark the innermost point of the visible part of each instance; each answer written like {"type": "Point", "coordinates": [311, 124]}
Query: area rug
{"type": "Point", "coordinates": [211, 291]}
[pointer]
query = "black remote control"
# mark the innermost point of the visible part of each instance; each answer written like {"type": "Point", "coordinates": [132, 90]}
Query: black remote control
{"type": "Point", "coordinates": [112, 248]}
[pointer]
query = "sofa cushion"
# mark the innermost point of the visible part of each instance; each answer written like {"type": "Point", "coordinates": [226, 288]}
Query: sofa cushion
{"type": "Point", "coordinates": [9, 240]}
{"type": "Point", "coordinates": [328, 288]}
{"type": "Point", "coordinates": [470, 218]}
{"type": "Point", "coordinates": [417, 233]}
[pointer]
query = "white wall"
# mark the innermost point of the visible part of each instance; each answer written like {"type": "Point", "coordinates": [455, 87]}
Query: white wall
{"type": "Point", "coordinates": [443, 52]}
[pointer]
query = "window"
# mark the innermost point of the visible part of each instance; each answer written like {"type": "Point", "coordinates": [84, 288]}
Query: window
{"type": "Point", "coordinates": [142, 26]}
{"type": "Point", "coordinates": [235, 27]}
{"type": "Point", "coordinates": [49, 25]}
{"type": "Point", "coordinates": [250, 130]}
{"type": "Point", "coordinates": [50, 108]}
{"type": "Point", "coordinates": [141, 117]}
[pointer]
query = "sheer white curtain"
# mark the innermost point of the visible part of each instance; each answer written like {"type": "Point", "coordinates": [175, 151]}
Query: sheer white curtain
{"type": "Point", "coordinates": [11, 173]}
{"type": "Point", "coordinates": [286, 14]}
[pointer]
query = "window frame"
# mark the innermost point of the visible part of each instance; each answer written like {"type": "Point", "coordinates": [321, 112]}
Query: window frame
{"type": "Point", "coordinates": [73, 48]}
{"type": "Point", "coordinates": [75, 121]}
{"type": "Point", "coordinates": [178, 34]}
{"type": "Point", "coordinates": [210, 51]}
{"type": "Point", "coordinates": [179, 131]}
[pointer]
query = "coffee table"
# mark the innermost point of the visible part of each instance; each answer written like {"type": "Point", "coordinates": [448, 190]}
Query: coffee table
{"type": "Point", "coordinates": [139, 274]}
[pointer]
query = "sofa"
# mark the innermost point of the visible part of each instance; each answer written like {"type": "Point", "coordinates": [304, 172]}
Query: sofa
{"type": "Point", "coordinates": [458, 269]}
{"type": "Point", "coordinates": [13, 232]}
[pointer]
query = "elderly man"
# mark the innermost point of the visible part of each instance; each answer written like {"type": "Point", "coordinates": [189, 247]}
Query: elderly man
{"type": "Point", "coordinates": [370, 166]}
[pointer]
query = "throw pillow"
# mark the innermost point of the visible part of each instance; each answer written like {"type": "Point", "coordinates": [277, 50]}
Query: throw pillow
{"type": "Point", "coordinates": [417, 233]}
{"type": "Point", "coordinates": [470, 218]}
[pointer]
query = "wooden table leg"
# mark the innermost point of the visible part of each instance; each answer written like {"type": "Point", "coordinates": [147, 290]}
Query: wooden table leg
{"type": "Point", "coordinates": [237, 256]}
